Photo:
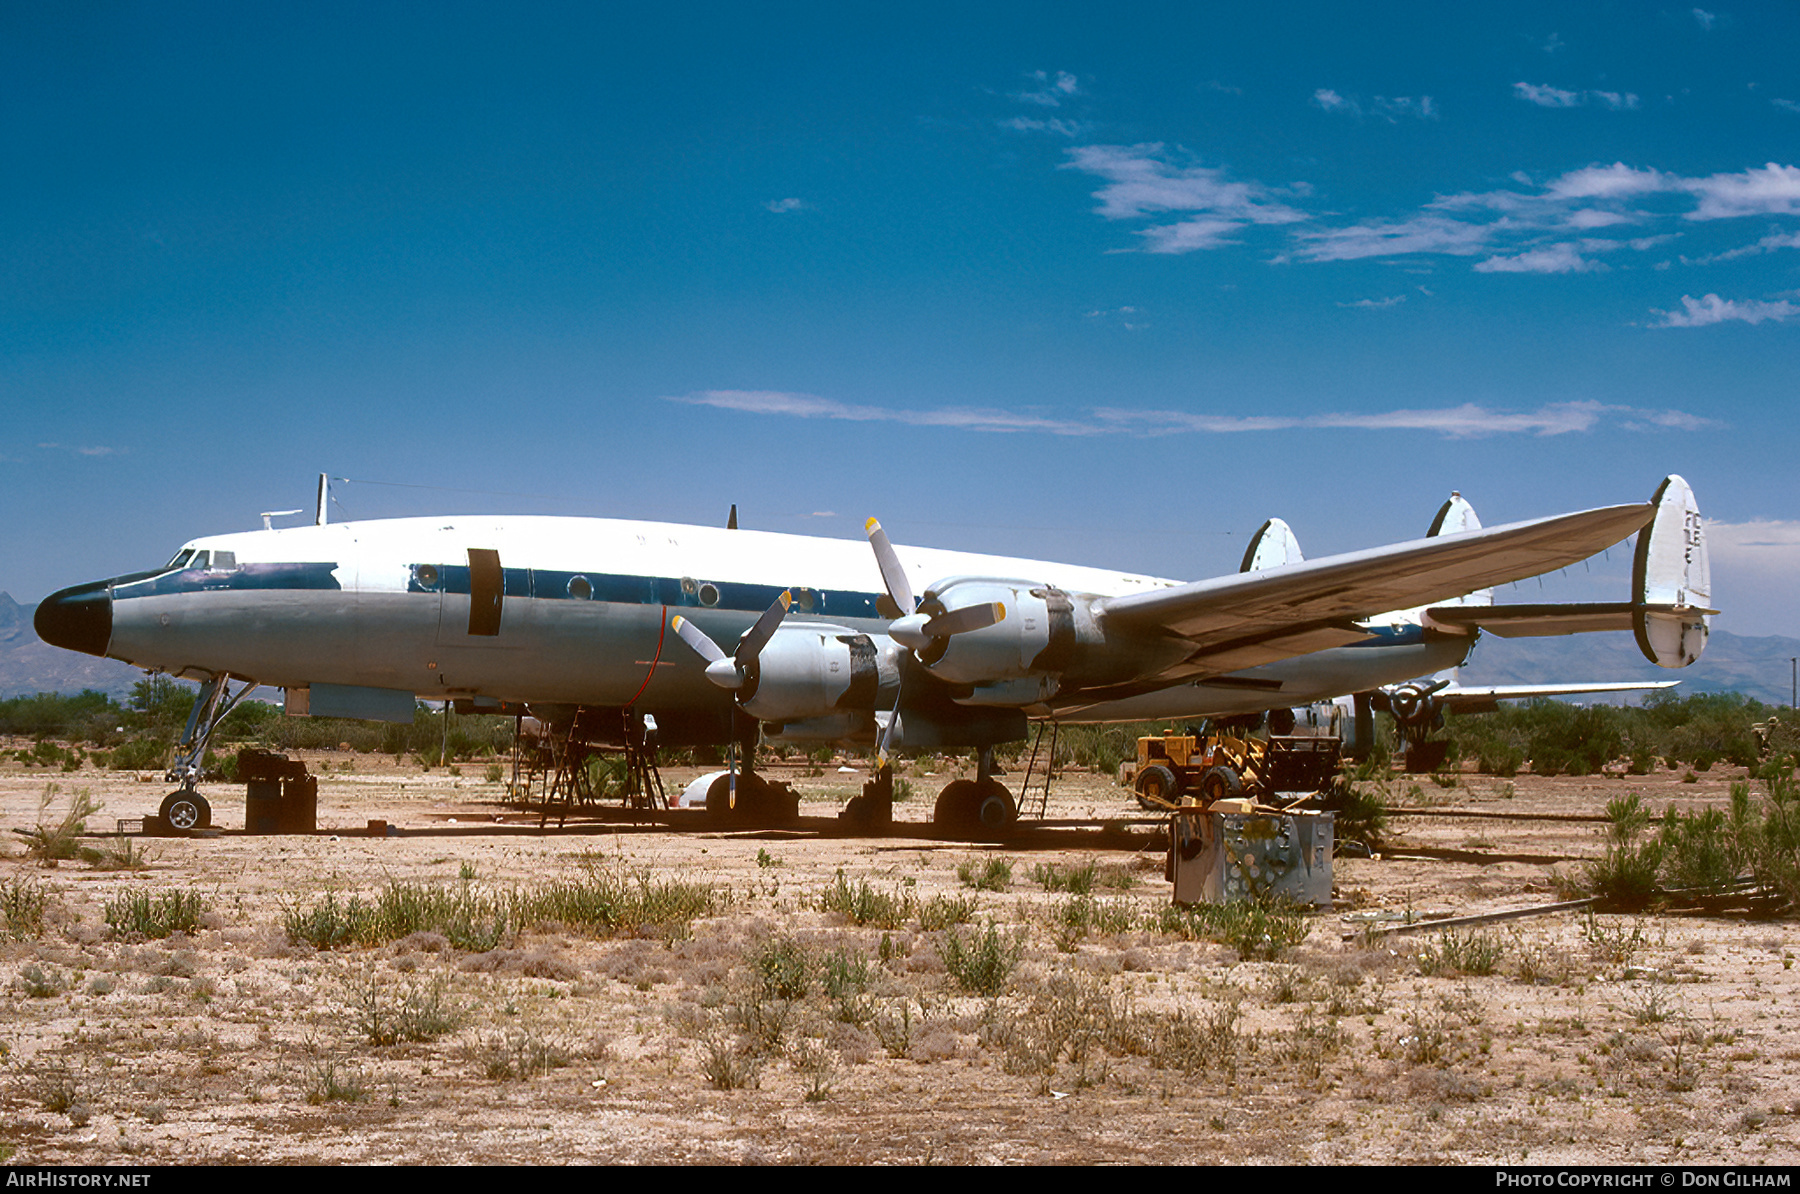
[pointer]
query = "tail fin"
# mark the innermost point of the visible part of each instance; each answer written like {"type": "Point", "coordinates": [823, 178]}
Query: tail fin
{"type": "Point", "coordinates": [1671, 579]}
{"type": "Point", "coordinates": [1453, 518]}
{"type": "Point", "coordinates": [1272, 546]}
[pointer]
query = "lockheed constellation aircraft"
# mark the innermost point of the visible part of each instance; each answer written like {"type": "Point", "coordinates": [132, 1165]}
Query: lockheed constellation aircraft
{"type": "Point", "coordinates": [911, 648]}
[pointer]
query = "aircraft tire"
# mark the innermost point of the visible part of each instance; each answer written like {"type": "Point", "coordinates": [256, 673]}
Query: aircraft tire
{"type": "Point", "coordinates": [1157, 788]}
{"type": "Point", "coordinates": [184, 811]}
{"type": "Point", "coordinates": [758, 803]}
{"type": "Point", "coordinates": [976, 809]}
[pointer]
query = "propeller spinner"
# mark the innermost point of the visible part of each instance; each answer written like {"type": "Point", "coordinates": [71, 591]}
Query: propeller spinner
{"type": "Point", "coordinates": [738, 671]}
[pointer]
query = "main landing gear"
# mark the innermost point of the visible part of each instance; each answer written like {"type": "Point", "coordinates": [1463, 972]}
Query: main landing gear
{"type": "Point", "coordinates": [979, 807]}
{"type": "Point", "coordinates": [743, 798]}
{"type": "Point", "coordinates": [185, 810]}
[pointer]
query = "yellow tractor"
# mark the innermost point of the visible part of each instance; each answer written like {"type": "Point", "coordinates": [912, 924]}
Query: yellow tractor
{"type": "Point", "coordinates": [1221, 766]}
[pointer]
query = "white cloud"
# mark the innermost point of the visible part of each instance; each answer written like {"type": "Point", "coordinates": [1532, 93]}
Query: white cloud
{"type": "Point", "coordinates": [1773, 190]}
{"type": "Point", "coordinates": [1025, 124]}
{"type": "Point", "coordinates": [1546, 97]}
{"type": "Point", "coordinates": [1697, 313]}
{"type": "Point", "coordinates": [1552, 259]}
{"type": "Point", "coordinates": [1392, 300]}
{"type": "Point", "coordinates": [1786, 104]}
{"type": "Point", "coordinates": [1051, 92]}
{"type": "Point", "coordinates": [1141, 183]}
{"type": "Point", "coordinates": [83, 449]}
{"type": "Point", "coordinates": [1331, 101]}
{"type": "Point", "coordinates": [1415, 107]}
{"type": "Point", "coordinates": [784, 205]}
{"type": "Point", "coordinates": [1421, 234]}
{"type": "Point", "coordinates": [1705, 19]}
{"type": "Point", "coordinates": [1467, 421]}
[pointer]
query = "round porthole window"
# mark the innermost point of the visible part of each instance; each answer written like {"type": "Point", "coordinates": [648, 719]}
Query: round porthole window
{"type": "Point", "coordinates": [427, 575]}
{"type": "Point", "coordinates": [709, 594]}
{"type": "Point", "coordinates": [580, 588]}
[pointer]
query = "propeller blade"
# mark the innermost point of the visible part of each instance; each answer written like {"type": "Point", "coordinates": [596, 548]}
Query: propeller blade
{"type": "Point", "coordinates": [696, 638]}
{"type": "Point", "coordinates": [969, 617]}
{"type": "Point", "coordinates": [758, 636]}
{"type": "Point", "coordinates": [882, 758]}
{"type": "Point", "coordinates": [892, 574]}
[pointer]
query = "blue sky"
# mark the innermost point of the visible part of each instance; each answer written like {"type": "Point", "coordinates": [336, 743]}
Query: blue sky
{"type": "Point", "coordinates": [1048, 280]}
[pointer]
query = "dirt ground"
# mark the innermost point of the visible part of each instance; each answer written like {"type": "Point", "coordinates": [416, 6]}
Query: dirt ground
{"type": "Point", "coordinates": [772, 1030]}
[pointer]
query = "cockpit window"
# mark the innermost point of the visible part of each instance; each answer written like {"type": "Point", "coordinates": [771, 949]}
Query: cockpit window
{"type": "Point", "coordinates": [182, 559]}
{"type": "Point", "coordinates": [223, 561]}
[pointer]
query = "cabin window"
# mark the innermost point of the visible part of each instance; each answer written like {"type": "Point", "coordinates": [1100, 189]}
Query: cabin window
{"type": "Point", "coordinates": [426, 575]}
{"type": "Point", "coordinates": [580, 588]}
{"type": "Point", "coordinates": [709, 594]}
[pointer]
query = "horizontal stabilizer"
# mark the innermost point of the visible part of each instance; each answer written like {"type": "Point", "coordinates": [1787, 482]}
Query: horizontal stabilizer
{"type": "Point", "coordinates": [1535, 621]}
{"type": "Point", "coordinates": [1481, 698]}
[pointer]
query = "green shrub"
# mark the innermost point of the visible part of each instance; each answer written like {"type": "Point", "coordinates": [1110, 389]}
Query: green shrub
{"type": "Point", "coordinates": [155, 916]}
{"type": "Point", "coordinates": [982, 963]}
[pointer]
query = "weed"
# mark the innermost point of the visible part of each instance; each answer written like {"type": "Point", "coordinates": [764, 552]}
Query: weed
{"type": "Point", "coordinates": [37, 983]}
{"type": "Point", "coordinates": [1080, 915]}
{"type": "Point", "coordinates": [22, 905]}
{"type": "Point", "coordinates": [782, 969]}
{"type": "Point", "coordinates": [992, 873]}
{"type": "Point", "coordinates": [766, 859]}
{"type": "Point", "coordinates": [329, 1080]}
{"type": "Point", "coordinates": [895, 1027]}
{"type": "Point", "coordinates": [726, 1066]}
{"type": "Point", "coordinates": [1078, 880]}
{"type": "Point", "coordinates": [846, 972]}
{"type": "Point", "coordinates": [142, 914]}
{"type": "Point", "coordinates": [863, 905]}
{"type": "Point", "coordinates": [415, 1012]}
{"type": "Point", "coordinates": [983, 962]}
{"type": "Point", "coordinates": [1262, 929]}
{"type": "Point", "coordinates": [56, 1090]}
{"type": "Point", "coordinates": [942, 911]}
{"type": "Point", "coordinates": [1473, 952]}
{"type": "Point", "coordinates": [521, 1052]}
{"type": "Point", "coordinates": [50, 844]}
{"type": "Point", "coordinates": [1195, 1043]}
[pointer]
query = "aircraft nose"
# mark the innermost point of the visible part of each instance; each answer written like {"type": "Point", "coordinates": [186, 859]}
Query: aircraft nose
{"type": "Point", "coordinates": [77, 619]}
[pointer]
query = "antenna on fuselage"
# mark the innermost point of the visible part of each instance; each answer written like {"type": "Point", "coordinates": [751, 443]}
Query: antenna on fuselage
{"type": "Point", "coordinates": [731, 522]}
{"type": "Point", "coordinates": [266, 515]}
{"type": "Point", "coordinates": [324, 491]}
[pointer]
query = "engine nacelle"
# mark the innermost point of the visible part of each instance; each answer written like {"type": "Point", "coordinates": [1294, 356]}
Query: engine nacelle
{"type": "Point", "coordinates": [813, 670]}
{"type": "Point", "coordinates": [1036, 637]}
{"type": "Point", "coordinates": [1048, 639]}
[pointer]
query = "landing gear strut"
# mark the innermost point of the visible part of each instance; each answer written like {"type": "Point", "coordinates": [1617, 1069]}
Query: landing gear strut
{"type": "Point", "coordinates": [185, 809]}
{"type": "Point", "coordinates": [981, 806]}
{"type": "Point", "coordinates": [743, 797]}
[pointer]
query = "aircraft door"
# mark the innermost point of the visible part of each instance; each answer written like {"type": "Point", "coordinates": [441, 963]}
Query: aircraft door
{"type": "Point", "coordinates": [475, 611]}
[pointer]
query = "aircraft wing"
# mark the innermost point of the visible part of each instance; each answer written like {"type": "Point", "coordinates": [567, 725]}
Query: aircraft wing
{"type": "Point", "coordinates": [1249, 619]}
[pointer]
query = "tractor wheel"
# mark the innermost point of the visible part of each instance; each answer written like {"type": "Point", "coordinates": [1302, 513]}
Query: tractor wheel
{"type": "Point", "coordinates": [1158, 787]}
{"type": "Point", "coordinates": [1220, 783]}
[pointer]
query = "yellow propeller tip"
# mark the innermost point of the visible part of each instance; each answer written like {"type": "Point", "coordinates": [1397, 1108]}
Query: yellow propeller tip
{"type": "Point", "coordinates": [872, 525]}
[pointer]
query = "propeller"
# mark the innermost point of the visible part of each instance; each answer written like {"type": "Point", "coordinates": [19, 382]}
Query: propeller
{"type": "Point", "coordinates": [738, 671]}
{"type": "Point", "coordinates": [1412, 702]}
{"type": "Point", "coordinates": [923, 633]}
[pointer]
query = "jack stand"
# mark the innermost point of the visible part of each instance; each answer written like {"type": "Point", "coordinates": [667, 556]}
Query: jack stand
{"type": "Point", "coordinates": [874, 809]}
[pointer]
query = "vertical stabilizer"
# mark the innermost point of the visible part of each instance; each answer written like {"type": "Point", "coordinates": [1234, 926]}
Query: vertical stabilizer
{"type": "Point", "coordinates": [1455, 517]}
{"type": "Point", "coordinates": [1671, 579]}
{"type": "Point", "coordinates": [1272, 546]}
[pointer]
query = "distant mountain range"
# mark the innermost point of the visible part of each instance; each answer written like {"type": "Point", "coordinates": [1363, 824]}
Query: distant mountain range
{"type": "Point", "coordinates": [1756, 667]}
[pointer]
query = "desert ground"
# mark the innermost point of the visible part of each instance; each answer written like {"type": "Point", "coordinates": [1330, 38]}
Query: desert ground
{"type": "Point", "coordinates": [809, 996]}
